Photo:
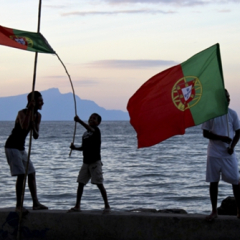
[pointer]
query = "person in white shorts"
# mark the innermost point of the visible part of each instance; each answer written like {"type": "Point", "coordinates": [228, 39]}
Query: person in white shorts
{"type": "Point", "coordinates": [223, 133]}
{"type": "Point", "coordinates": [27, 119]}
{"type": "Point", "coordinates": [92, 165]}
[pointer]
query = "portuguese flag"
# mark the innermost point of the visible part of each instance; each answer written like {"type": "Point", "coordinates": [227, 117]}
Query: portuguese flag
{"type": "Point", "coordinates": [24, 40]}
{"type": "Point", "coordinates": [182, 96]}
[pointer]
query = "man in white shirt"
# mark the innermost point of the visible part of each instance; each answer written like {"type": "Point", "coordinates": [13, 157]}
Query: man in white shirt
{"type": "Point", "coordinates": [223, 133]}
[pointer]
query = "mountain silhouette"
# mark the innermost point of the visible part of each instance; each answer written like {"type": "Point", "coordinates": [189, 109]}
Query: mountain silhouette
{"type": "Point", "coordinates": [58, 107]}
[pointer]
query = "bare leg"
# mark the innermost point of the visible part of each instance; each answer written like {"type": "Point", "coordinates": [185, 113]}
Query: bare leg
{"type": "Point", "coordinates": [33, 190]}
{"type": "Point", "coordinates": [76, 208]}
{"type": "Point", "coordinates": [19, 190]}
{"type": "Point", "coordinates": [213, 191]}
{"type": "Point", "coordinates": [104, 195]}
{"type": "Point", "coordinates": [236, 193]}
{"type": "Point", "coordinates": [79, 196]}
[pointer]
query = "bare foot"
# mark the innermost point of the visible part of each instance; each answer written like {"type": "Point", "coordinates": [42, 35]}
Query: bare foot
{"type": "Point", "coordinates": [106, 210]}
{"type": "Point", "coordinates": [211, 217]}
{"type": "Point", "coordinates": [24, 210]}
{"type": "Point", "coordinates": [74, 209]}
{"type": "Point", "coordinates": [39, 207]}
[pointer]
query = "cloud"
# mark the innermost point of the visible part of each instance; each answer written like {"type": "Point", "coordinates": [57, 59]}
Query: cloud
{"type": "Point", "coordinates": [130, 63]}
{"type": "Point", "coordinates": [85, 82]}
{"type": "Point", "coordinates": [55, 6]}
{"type": "Point", "coordinates": [141, 11]}
{"type": "Point", "coordinates": [81, 81]}
{"type": "Point", "coordinates": [56, 76]}
{"type": "Point", "coordinates": [184, 3]}
{"type": "Point", "coordinates": [172, 2]}
{"type": "Point", "coordinates": [224, 11]}
{"type": "Point", "coordinates": [78, 81]}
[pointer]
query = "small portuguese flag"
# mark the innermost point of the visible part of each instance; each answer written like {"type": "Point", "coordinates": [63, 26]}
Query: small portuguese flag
{"type": "Point", "coordinates": [182, 96]}
{"type": "Point", "coordinates": [24, 40]}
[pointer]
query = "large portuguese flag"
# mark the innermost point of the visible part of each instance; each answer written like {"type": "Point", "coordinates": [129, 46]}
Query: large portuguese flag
{"type": "Point", "coordinates": [24, 40]}
{"type": "Point", "coordinates": [182, 96]}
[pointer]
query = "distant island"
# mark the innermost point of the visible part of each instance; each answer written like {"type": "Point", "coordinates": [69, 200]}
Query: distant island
{"type": "Point", "coordinates": [58, 107]}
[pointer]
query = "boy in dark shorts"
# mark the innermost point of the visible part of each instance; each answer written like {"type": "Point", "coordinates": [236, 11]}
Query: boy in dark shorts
{"type": "Point", "coordinates": [92, 165]}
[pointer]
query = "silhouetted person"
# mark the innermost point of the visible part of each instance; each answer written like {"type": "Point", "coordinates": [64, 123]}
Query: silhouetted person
{"type": "Point", "coordinates": [15, 149]}
{"type": "Point", "coordinates": [92, 165]}
{"type": "Point", "coordinates": [221, 158]}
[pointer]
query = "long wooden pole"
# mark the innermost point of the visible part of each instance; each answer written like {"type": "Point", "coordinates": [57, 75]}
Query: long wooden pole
{"type": "Point", "coordinates": [31, 131]}
{"type": "Point", "coordinates": [74, 98]}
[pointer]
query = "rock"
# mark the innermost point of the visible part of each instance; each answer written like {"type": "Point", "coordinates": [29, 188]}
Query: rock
{"type": "Point", "coordinates": [228, 207]}
{"type": "Point", "coordinates": [178, 211]}
{"type": "Point", "coordinates": [143, 210]}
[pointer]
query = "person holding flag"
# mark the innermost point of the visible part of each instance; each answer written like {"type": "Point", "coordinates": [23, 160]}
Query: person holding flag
{"type": "Point", "coordinates": [223, 133]}
{"type": "Point", "coordinates": [180, 97]}
{"type": "Point", "coordinates": [92, 164]}
{"type": "Point", "coordinates": [15, 150]}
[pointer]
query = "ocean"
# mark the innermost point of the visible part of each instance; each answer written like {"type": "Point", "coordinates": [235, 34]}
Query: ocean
{"type": "Point", "coordinates": [168, 175]}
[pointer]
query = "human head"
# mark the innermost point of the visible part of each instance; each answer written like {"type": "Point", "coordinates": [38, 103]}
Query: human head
{"type": "Point", "coordinates": [227, 96]}
{"type": "Point", "coordinates": [36, 97]}
{"type": "Point", "coordinates": [95, 119]}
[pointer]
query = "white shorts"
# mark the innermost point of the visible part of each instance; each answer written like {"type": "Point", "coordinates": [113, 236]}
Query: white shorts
{"type": "Point", "coordinates": [91, 171]}
{"type": "Point", "coordinates": [17, 161]}
{"type": "Point", "coordinates": [227, 167]}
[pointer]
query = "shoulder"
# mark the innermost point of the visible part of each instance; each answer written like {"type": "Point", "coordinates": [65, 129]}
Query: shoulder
{"type": "Point", "coordinates": [22, 112]}
{"type": "Point", "coordinates": [232, 112]}
{"type": "Point", "coordinates": [96, 129]}
{"type": "Point", "coordinates": [39, 115]}
{"type": "Point", "coordinates": [206, 125]}
{"type": "Point", "coordinates": [233, 115]}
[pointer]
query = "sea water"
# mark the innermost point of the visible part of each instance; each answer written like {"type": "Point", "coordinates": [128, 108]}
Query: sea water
{"type": "Point", "coordinates": [168, 175]}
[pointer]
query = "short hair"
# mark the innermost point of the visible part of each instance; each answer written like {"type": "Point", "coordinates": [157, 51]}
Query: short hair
{"type": "Point", "coordinates": [99, 117]}
{"type": "Point", "coordinates": [226, 92]}
{"type": "Point", "coordinates": [35, 97]}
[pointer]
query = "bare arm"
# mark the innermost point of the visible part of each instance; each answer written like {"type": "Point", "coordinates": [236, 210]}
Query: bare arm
{"type": "Point", "coordinates": [24, 117]}
{"type": "Point", "coordinates": [234, 142]}
{"type": "Point", "coordinates": [73, 147]}
{"type": "Point", "coordinates": [214, 136]}
{"type": "Point", "coordinates": [77, 119]}
{"type": "Point", "coordinates": [35, 126]}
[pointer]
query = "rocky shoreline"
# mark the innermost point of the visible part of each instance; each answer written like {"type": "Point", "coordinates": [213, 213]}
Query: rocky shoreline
{"type": "Point", "coordinates": [137, 224]}
{"type": "Point", "coordinates": [140, 223]}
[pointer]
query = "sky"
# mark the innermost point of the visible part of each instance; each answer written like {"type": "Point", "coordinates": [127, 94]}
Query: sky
{"type": "Point", "coordinates": [111, 47]}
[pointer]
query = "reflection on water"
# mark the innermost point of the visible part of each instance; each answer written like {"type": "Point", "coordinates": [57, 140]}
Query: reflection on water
{"type": "Point", "coordinates": [168, 175]}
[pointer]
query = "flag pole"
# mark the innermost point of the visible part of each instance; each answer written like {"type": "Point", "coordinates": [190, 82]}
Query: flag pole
{"type": "Point", "coordinates": [74, 98]}
{"type": "Point", "coordinates": [31, 131]}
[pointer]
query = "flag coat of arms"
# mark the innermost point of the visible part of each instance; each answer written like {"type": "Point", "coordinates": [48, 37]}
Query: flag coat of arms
{"type": "Point", "coordinates": [182, 96]}
{"type": "Point", "coordinates": [24, 40]}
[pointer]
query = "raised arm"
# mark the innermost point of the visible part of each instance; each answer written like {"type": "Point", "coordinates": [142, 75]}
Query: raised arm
{"type": "Point", "coordinates": [89, 128]}
{"type": "Point", "coordinates": [25, 119]}
{"type": "Point", "coordinates": [35, 126]}
{"type": "Point", "coordinates": [25, 116]}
